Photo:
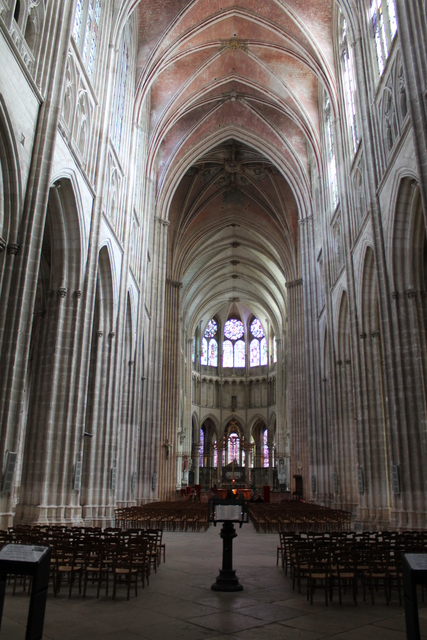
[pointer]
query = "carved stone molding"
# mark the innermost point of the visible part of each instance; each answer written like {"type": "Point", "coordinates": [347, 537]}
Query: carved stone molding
{"type": "Point", "coordinates": [78, 294]}
{"type": "Point", "coordinates": [131, 362]}
{"type": "Point", "coordinates": [294, 283]}
{"type": "Point", "coordinates": [99, 334]}
{"type": "Point", "coordinates": [411, 293]}
{"type": "Point", "coordinates": [232, 95]}
{"type": "Point", "coordinates": [395, 295]}
{"type": "Point", "coordinates": [174, 283]}
{"type": "Point", "coordinates": [339, 363]}
{"type": "Point", "coordinates": [2, 245]}
{"type": "Point", "coordinates": [362, 335]}
{"type": "Point", "coordinates": [375, 334]}
{"type": "Point", "coordinates": [12, 249]}
{"type": "Point", "coordinates": [234, 44]}
{"type": "Point", "coordinates": [112, 334]}
{"type": "Point", "coordinates": [62, 292]}
{"type": "Point", "coordinates": [304, 221]}
{"type": "Point", "coordinates": [165, 223]}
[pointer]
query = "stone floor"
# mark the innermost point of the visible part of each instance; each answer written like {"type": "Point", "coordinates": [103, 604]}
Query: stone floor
{"type": "Point", "coordinates": [179, 602]}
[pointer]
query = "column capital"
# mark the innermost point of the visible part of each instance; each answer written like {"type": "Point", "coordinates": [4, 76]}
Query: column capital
{"type": "Point", "coordinates": [293, 283]}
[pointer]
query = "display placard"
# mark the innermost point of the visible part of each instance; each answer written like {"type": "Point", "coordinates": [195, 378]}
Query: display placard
{"type": "Point", "coordinates": [232, 512]}
{"type": "Point", "coordinates": [23, 553]}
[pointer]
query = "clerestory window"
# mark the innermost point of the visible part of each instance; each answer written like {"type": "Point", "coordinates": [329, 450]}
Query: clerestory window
{"type": "Point", "coordinates": [86, 31]}
{"type": "Point", "coordinates": [349, 85]}
{"type": "Point", "coordinates": [384, 28]}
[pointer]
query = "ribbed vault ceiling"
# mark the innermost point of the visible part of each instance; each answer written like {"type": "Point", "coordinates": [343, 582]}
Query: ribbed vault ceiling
{"type": "Point", "coordinates": [233, 90]}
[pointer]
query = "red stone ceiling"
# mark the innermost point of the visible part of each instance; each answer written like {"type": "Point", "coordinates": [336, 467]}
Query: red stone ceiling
{"type": "Point", "coordinates": [233, 90]}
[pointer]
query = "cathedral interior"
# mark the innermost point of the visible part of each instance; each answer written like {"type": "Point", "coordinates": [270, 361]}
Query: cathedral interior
{"type": "Point", "coordinates": [213, 254]}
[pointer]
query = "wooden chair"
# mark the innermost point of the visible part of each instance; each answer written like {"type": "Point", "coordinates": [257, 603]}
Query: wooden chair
{"type": "Point", "coordinates": [377, 572]}
{"type": "Point", "coordinates": [69, 563]}
{"type": "Point", "coordinates": [343, 573]}
{"type": "Point", "coordinates": [94, 568]}
{"type": "Point", "coordinates": [318, 574]}
{"type": "Point", "coordinates": [124, 569]}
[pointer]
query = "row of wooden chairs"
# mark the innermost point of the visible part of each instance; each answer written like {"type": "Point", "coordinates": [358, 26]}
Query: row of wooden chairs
{"type": "Point", "coordinates": [346, 561]}
{"type": "Point", "coordinates": [170, 516]}
{"type": "Point", "coordinates": [297, 516]}
{"type": "Point", "coordinates": [90, 555]}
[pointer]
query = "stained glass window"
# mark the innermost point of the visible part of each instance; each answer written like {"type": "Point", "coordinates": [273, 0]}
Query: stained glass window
{"type": "Point", "coordinates": [204, 352]}
{"type": "Point", "coordinates": [264, 355]}
{"type": "Point", "coordinates": [234, 448]}
{"type": "Point", "coordinates": [193, 349]}
{"type": "Point", "coordinates": [384, 28]}
{"type": "Point", "coordinates": [234, 329]}
{"type": "Point", "coordinates": [201, 447]}
{"type": "Point", "coordinates": [119, 97]}
{"type": "Point", "coordinates": [349, 86]}
{"type": "Point", "coordinates": [215, 455]}
{"type": "Point", "coordinates": [227, 354]}
{"type": "Point", "coordinates": [254, 359]}
{"type": "Point", "coordinates": [274, 349]}
{"type": "Point", "coordinates": [86, 31]}
{"type": "Point", "coordinates": [258, 346]}
{"type": "Point", "coordinates": [330, 145]}
{"type": "Point", "coordinates": [256, 329]}
{"type": "Point", "coordinates": [213, 353]}
{"type": "Point", "coordinates": [265, 452]}
{"type": "Point", "coordinates": [211, 329]}
{"type": "Point", "coordinates": [239, 354]}
{"type": "Point", "coordinates": [78, 21]}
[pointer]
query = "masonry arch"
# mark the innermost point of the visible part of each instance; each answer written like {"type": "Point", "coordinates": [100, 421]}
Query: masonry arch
{"type": "Point", "coordinates": [51, 409]}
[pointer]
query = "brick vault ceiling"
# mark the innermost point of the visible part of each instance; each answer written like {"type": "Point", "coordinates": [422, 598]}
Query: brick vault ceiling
{"type": "Point", "coordinates": [234, 128]}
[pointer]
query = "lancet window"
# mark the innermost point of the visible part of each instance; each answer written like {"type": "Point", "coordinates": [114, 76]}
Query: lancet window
{"type": "Point", "coordinates": [120, 92]}
{"type": "Point", "coordinates": [201, 447]}
{"type": "Point", "coordinates": [265, 449]}
{"type": "Point", "coordinates": [330, 148]}
{"type": "Point", "coordinates": [209, 351]}
{"type": "Point", "coordinates": [349, 85]}
{"type": "Point", "coordinates": [86, 31]}
{"type": "Point", "coordinates": [258, 346]}
{"type": "Point", "coordinates": [233, 448]}
{"type": "Point", "coordinates": [384, 28]}
{"type": "Point", "coordinates": [233, 348]}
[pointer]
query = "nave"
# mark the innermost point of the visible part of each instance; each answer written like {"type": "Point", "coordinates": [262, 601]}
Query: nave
{"type": "Point", "coordinates": [180, 603]}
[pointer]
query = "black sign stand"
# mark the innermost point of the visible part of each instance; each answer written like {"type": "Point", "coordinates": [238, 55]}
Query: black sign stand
{"type": "Point", "coordinates": [27, 560]}
{"type": "Point", "coordinates": [414, 568]}
{"type": "Point", "coordinates": [228, 510]}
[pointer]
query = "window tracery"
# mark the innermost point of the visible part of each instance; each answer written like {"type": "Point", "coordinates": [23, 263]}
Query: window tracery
{"type": "Point", "coordinates": [265, 450]}
{"type": "Point", "coordinates": [234, 351]}
{"type": "Point", "coordinates": [349, 85]}
{"type": "Point", "coordinates": [384, 28]}
{"type": "Point", "coordinates": [258, 346]}
{"type": "Point", "coordinates": [86, 28]}
{"type": "Point", "coordinates": [201, 447]}
{"type": "Point", "coordinates": [82, 119]}
{"type": "Point", "coordinates": [330, 148]}
{"type": "Point", "coordinates": [120, 90]}
{"type": "Point", "coordinates": [390, 125]}
{"type": "Point", "coordinates": [209, 352]}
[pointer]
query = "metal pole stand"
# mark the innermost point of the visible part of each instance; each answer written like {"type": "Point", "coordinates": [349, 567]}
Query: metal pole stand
{"type": "Point", "coordinates": [227, 580]}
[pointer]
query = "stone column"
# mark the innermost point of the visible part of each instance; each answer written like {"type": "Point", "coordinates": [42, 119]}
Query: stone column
{"type": "Point", "coordinates": [152, 444]}
{"type": "Point", "coordinates": [413, 44]}
{"type": "Point", "coordinates": [170, 387]}
{"type": "Point", "coordinates": [296, 365]}
{"type": "Point", "coordinates": [20, 285]}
